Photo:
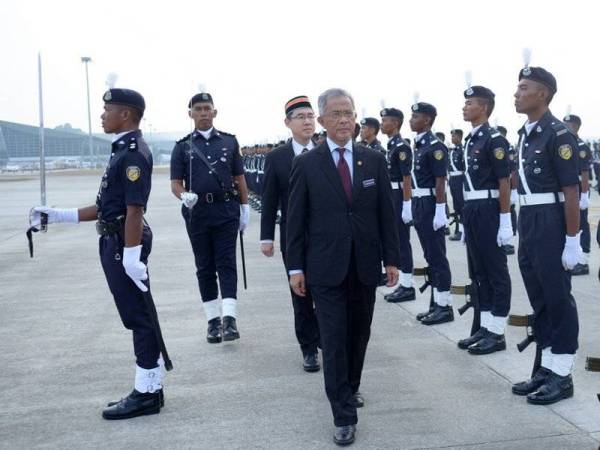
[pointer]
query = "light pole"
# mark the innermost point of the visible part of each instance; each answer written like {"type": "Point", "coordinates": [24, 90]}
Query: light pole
{"type": "Point", "coordinates": [85, 60]}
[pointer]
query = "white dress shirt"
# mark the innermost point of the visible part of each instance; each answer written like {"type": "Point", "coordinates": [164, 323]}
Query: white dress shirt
{"type": "Point", "coordinates": [206, 133]}
{"type": "Point", "coordinates": [299, 147]}
{"type": "Point", "coordinates": [347, 154]}
{"type": "Point", "coordinates": [118, 136]}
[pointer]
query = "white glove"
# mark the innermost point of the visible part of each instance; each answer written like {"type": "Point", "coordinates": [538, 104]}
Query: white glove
{"type": "Point", "coordinates": [572, 252]}
{"type": "Point", "coordinates": [440, 220]}
{"type": "Point", "coordinates": [244, 216]}
{"type": "Point", "coordinates": [514, 196]}
{"type": "Point", "coordinates": [134, 268]}
{"type": "Point", "coordinates": [55, 215]}
{"type": "Point", "coordinates": [188, 199]}
{"type": "Point", "coordinates": [407, 211]}
{"type": "Point", "coordinates": [505, 230]}
{"type": "Point", "coordinates": [584, 200]}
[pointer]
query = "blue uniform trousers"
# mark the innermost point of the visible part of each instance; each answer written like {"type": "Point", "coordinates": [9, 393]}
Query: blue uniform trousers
{"type": "Point", "coordinates": [406, 257]}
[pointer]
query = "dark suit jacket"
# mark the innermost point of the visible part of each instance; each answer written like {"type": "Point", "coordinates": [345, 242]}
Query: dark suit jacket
{"type": "Point", "coordinates": [323, 227]}
{"type": "Point", "coordinates": [276, 181]}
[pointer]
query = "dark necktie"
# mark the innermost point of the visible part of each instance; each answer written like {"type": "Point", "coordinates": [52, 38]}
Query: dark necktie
{"type": "Point", "coordinates": [344, 171]}
{"type": "Point", "coordinates": [304, 150]}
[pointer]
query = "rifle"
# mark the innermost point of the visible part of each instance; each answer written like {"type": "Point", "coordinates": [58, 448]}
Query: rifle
{"type": "Point", "coordinates": [424, 272]}
{"type": "Point", "coordinates": [471, 291]}
{"type": "Point", "coordinates": [243, 259]}
{"type": "Point", "coordinates": [156, 326]}
{"type": "Point", "coordinates": [527, 321]}
{"type": "Point", "coordinates": [593, 365]}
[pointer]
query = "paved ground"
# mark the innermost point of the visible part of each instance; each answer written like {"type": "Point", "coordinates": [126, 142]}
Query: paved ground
{"type": "Point", "coordinates": [65, 354]}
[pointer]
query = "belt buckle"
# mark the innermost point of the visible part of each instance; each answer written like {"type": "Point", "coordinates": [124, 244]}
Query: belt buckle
{"type": "Point", "coordinates": [226, 196]}
{"type": "Point", "coordinates": [209, 198]}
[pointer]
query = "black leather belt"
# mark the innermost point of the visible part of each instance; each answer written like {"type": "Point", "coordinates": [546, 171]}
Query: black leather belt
{"type": "Point", "coordinates": [215, 197]}
{"type": "Point", "coordinates": [104, 228]}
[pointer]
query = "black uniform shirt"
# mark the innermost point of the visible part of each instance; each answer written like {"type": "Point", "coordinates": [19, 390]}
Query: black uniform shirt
{"type": "Point", "coordinates": [400, 158]}
{"type": "Point", "coordinates": [487, 158]}
{"type": "Point", "coordinates": [430, 160]}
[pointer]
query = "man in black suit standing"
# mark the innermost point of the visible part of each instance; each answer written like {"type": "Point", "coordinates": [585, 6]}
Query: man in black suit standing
{"type": "Point", "coordinates": [300, 119]}
{"type": "Point", "coordinates": [340, 219]}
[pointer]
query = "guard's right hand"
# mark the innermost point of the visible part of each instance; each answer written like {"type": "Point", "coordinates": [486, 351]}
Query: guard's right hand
{"type": "Point", "coordinates": [134, 268]}
{"type": "Point", "coordinates": [267, 249]}
{"type": "Point", "coordinates": [514, 197]}
{"type": "Point", "coordinates": [298, 284]}
{"type": "Point", "coordinates": [188, 199]}
{"type": "Point", "coordinates": [55, 215]}
{"type": "Point", "coordinates": [407, 216]}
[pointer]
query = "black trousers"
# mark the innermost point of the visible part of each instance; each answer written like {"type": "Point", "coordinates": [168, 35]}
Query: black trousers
{"type": "Point", "coordinates": [481, 222]}
{"type": "Point", "coordinates": [548, 284]}
{"type": "Point", "coordinates": [129, 299]}
{"type": "Point", "coordinates": [456, 190]}
{"type": "Point", "coordinates": [406, 256]}
{"type": "Point", "coordinates": [584, 226]}
{"type": "Point", "coordinates": [305, 320]}
{"type": "Point", "coordinates": [345, 313]}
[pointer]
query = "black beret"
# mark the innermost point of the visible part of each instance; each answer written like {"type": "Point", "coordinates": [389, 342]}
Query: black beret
{"type": "Point", "coordinates": [572, 118]}
{"type": "Point", "coordinates": [125, 97]}
{"type": "Point", "coordinates": [540, 75]}
{"type": "Point", "coordinates": [371, 122]}
{"type": "Point", "coordinates": [202, 97]}
{"type": "Point", "coordinates": [301, 101]}
{"type": "Point", "coordinates": [392, 112]}
{"type": "Point", "coordinates": [456, 131]}
{"type": "Point", "coordinates": [424, 108]}
{"type": "Point", "coordinates": [479, 92]}
{"type": "Point", "coordinates": [501, 129]}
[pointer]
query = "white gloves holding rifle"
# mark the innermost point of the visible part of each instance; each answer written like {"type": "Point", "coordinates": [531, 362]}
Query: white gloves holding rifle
{"type": "Point", "coordinates": [505, 230]}
{"type": "Point", "coordinates": [440, 220]}
{"type": "Point", "coordinates": [244, 216]}
{"type": "Point", "coordinates": [134, 268]}
{"type": "Point", "coordinates": [572, 252]}
{"type": "Point", "coordinates": [407, 216]}
{"type": "Point", "coordinates": [55, 215]}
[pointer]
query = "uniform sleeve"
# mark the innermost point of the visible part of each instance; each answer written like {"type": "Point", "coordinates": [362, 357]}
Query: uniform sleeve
{"type": "Point", "coordinates": [585, 157]}
{"type": "Point", "coordinates": [565, 158]}
{"type": "Point", "coordinates": [439, 160]}
{"type": "Point", "coordinates": [136, 175]}
{"type": "Point", "coordinates": [499, 157]}
{"type": "Point", "coordinates": [238, 163]}
{"type": "Point", "coordinates": [177, 163]}
{"type": "Point", "coordinates": [405, 158]}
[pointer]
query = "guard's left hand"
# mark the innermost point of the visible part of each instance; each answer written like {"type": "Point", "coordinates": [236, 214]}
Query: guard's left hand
{"type": "Point", "coordinates": [392, 275]}
{"type": "Point", "coordinates": [505, 230]}
{"type": "Point", "coordinates": [134, 268]}
{"type": "Point", "coordinates": [440, 220]}
{"type": "Point", "coordinates": [571, 253]}
{"type": "Point", "coordinates": [244, 216]}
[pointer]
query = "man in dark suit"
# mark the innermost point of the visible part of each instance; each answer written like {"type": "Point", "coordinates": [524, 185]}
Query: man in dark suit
{"type": "Point", "coordinates": [300, 119]}
{"type": "Point", "coordinates": [340, 218]}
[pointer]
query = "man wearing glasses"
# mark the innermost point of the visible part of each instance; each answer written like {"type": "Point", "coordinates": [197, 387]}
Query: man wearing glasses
{"type": "Point", "coordinates": [300, 119]}
{"type": "Point", "coordinates": [340, 220]}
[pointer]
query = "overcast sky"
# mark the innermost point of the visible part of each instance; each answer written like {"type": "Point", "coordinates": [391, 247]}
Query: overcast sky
{"type": "Point", "coordinates": [254, 55]}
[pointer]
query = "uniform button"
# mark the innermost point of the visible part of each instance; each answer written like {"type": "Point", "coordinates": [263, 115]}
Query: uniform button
{"type": "Point", "coordinates": [207, 143]}
{"type": "Point", "coordinates": [350, 213]}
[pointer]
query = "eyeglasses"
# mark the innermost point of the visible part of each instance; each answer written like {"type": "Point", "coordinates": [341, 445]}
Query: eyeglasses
{"type": "Point", "coordinates": [303, 117]}
{"type": "Point", "coordinates": [337, 115]}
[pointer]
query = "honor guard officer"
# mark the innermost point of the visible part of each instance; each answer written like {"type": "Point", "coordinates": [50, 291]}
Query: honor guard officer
{"type": "Point", "coordinates": [457, 169]}
{"type": "Point", "coordinates": [548, 234]}
{"type": "Point", "coordinates": [400, 163]}
{"type": "Point", "coordinates": [509, 249]}
{"type": "Point", "coordinates": [125, 244]}
{"type": "Point", "coordinates": [207, 175]}
{"type": "Point", "coordinates": [584, 152]}
{"type": "Point", "coordinates": [430, 167]}
{"type": "Point", "coordinates": [368, 133]}
{"type": "Point", "coordinates": [487, 225]}
{"type": "Point", "coordinates": [300, 119]}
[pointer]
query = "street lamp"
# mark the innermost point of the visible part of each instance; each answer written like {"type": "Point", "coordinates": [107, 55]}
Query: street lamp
{"type": "Point", "coordinates": [85, 60]}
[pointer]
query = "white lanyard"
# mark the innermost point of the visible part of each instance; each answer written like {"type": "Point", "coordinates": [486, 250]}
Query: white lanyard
{"type": "Point", "coordinates": [412, 172]}
{"type": "Point", "coordinates": [522, 178]}
{"type": "Point", "coordinates": [454, 169]}
{"type": "Point", "coordinates": [466, 152]}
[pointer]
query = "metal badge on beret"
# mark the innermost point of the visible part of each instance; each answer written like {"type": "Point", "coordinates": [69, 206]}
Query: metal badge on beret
{"type": "Point", "coordinates": [565, 151]}
{"type": "Point", "coordinates": [499, 153]}
{"type": "Point", "coordinates": [469, 91]}
{"type": "Point", "coordinates": [133, 173]}
{"type": "Point", "coordinates": [415, 107]}
{"type": "Point", "coordinates": [107, 97]}
{"type": "Point", "coordinates": [526, 71]}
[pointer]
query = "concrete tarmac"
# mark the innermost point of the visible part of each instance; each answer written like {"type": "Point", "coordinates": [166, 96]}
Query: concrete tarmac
{"type": "Point", "coordinates": [65, 352]}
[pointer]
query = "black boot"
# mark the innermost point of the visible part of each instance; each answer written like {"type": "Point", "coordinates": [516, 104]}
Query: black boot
{"type": "Point", "coordinates": [134, 405]}
{"type": "Point", "coordinates": [230, 331]}
{"type": "Point", "coordinates": [441, 314]}
{"type": "Point", "coordinates": [422, 315]}
{"type": "Point", "coordinates": [508, 249]}
{"type": "Point", "coordinates": [402, 294]}
{"type": "Point", "coordinates": [490, 343]}
{"type": "Point", "coordinates": [311, 362]}
{"type": "Point", "coordinates": [213, 335]}
{"type": "Point", "coordinates": [160, 395]}
{"type": "Point", "coordinates": [554, 389]}
{"type": "Point", "coordinates": [344, 435]}
{"type": "Point", "coordinates": [479, 334]}
{"type": "Point", "coordinates": [580, 269]}
{"type": "Point", "coordinates": [533, 384]}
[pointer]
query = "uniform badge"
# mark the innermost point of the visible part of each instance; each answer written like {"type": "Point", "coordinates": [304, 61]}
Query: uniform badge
{"type": "Point", "coordinates": [582, 154]}
{"type": "Point", "coordinates": [565, 151]}
{"type": "Point", "coordinates": [537, 170]}
{"type": "Point", "coordinates": [499, 153]}
{"type": "Point", "coordinates": [133, 173]}
{"type": "Point", "coordinates": [402, 156]}
{"type": "Point", "coordinates": [438, 154]}
{"type": "Point", "coordinates": [526, 71]}
{"type": "Point", "coordinates": [107, 97]}
{"type": "Point", "coordinates": [415, 107]}
{"type": "Point", "coordinates": [470, 91]}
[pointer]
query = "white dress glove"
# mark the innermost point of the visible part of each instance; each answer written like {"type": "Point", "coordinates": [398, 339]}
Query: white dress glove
{"type": "Point", "coordinates": [188, 199]}
{"type": "Point", "coordinates": [407, 211]}
{"type": "Point", "coordinates": [584, 200]}
{"type": "Point", "coordinates": [572, 252]}
{"type": "Point", "coordinates": [134, 268]}
{"type": "Point", "coordinates": [244, 216]}
{"type": "Point", "coordinates": [505, 230]}
{"type": "Point", "coordinates": [514, 196]}
{"type": "Point", "coordinates": [440, 220]}
{"type": "Point", "coordinates": [55, 215]}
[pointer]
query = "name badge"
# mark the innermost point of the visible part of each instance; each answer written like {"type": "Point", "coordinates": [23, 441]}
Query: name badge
{"type": "Point", "coordinates": [368, 183]}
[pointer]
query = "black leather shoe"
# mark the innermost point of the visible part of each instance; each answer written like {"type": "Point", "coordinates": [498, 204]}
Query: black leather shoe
{"type": "Point", "coordinates": [134, 405]}
{"type": "Point", "coordinates": [479, 334]}
{"type": "Point", "coordinates": [490, 343]}
{"type": "Point", "coordinates": [554, 389]}
{"type": "Point", "coordinates": [230, 331]}
{"type": "Point", "coordinates": [422, 315]}
{"type": "Point", "coordinates": [441, 314]}
{"type": "Point", "coordinates": [456, 236]}
{"type": "Point", "coordinates": [344, 435]}
{"type": "Point", "coordinates": [311, 363]}
{"type": "Point", "coordinates": [580, 269]}
{"type": "Point", "coordinates": [533, 384]}
{"type": "Point", "coordinates": [161, 397]}
{"type": "Point", "coordinates": [398, 289]}
{"type": "Point", "coordinates": [213, 335]}
{"type": "Point", "coordinates": [402, 294]}
{"type": "Point", "coordinates": [508, 249]}
{"type": "Point", "coordinates": [382, 280]}
{"type": "Point", "coordinates": [358, 400]}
